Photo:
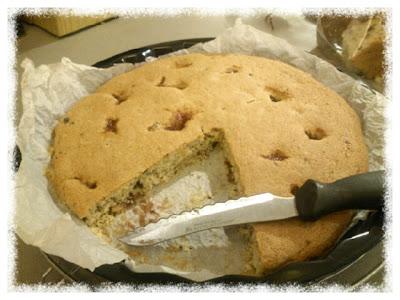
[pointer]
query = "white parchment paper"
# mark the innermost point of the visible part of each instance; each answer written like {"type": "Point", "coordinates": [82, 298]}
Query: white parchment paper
{"type": "Point", "coordinates": [49, 91]}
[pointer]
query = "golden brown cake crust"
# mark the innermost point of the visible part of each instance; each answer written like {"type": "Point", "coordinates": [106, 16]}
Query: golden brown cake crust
{"type": "Point", "coordinates": [285, 241]}
{"type": "Point", "coordinates": [280, 125]}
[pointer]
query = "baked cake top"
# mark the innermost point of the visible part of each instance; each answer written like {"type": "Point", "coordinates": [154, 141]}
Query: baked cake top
{"type": "Point", "coordinates": [280, 126]}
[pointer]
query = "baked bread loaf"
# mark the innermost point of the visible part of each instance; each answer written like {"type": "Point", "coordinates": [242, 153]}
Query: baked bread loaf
{"type": "Point", "coordinates": [357, 43]}
{"type": "Point", "coordinates": [363, 46]}
{"type": "Point", "coordinates": [276, 124]}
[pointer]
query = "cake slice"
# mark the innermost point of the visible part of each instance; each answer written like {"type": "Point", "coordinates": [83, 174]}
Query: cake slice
{"type": "Point", "coordinates": [363, 46]}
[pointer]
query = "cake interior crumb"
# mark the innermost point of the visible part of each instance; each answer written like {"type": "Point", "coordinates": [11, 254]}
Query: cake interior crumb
{"type": "Point", "coordinates": [136, 192]}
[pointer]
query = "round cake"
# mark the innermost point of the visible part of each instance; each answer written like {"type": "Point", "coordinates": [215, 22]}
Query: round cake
{"type": "Point", "coordinates": [277, 126]}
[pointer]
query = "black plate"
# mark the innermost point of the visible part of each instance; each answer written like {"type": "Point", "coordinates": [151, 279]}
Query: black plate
{"type": "Point", "coordinates": [362, 238]}
{"type": "Point", "coordinates": [140, 54]}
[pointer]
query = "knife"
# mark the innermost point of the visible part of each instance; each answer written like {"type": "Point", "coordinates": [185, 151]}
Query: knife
{"type": "Point", "coordinates": [312, 200]}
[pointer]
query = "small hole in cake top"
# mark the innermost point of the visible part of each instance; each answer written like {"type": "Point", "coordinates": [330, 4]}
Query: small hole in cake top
{"type": "Point", "coordinates": [276, 155]}
{"type": "Point", "coordinates": [120, 96]}
{"type": "Point", "coordinates": [180, 85]}
{"type": "Point", "coordinates": [111, 125]}
{"type": "Point", "coordinates": [315, 134]}
{"type": "Point", "coordinates": [162, 81]}
{"type": "Point", "coordinates": [233, 69]}
{"type": "Point", "coordinates": [277, 95]}
{"type": "Point", "coordinates": [178, 120]}
{"type": "Point", "coordinates": [66, 120]}
{"type": "Point", "coordinates": [89, 184]}
{"type": "Point", "coordinates": [274, 98]}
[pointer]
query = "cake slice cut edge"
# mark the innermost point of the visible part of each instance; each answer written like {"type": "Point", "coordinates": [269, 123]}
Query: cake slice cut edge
{"type": "Point", "coordinates": [138, 189]}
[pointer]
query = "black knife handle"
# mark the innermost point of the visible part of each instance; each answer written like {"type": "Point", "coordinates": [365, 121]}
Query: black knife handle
{"type": "Point", "coordinates": [363, 191]}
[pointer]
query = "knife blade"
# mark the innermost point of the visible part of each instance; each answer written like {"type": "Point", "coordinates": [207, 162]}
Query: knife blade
{"type": "Point", "coordinates": [312, 200]}
{"type": "Point", "coordinates": [233, 212]}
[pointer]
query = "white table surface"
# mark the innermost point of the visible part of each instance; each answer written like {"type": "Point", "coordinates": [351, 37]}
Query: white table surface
{"type": "Point", "coordinates": [122, 34]}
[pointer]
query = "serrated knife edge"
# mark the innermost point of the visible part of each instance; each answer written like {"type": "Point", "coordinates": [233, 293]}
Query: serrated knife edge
{"type": "Point", "coordinates": [232, 212]}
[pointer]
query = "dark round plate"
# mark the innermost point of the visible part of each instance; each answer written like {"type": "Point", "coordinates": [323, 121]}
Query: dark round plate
{"type": "Point", "coordinates": [355, 256]}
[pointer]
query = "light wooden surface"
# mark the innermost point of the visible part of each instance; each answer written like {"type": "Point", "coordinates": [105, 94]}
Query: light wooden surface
{"type": "Point", "coordinates": [62, 25]}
